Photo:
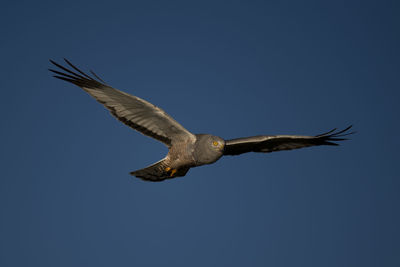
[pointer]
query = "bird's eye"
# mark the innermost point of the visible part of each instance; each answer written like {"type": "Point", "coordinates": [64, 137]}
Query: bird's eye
{"type": "Point", "coordinates": [215, 143]}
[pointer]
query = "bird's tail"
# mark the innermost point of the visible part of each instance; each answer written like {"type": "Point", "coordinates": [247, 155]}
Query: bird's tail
{"type": "Point", "coordinates": [159, 171]}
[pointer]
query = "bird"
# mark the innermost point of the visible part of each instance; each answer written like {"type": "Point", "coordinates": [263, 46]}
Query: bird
{"type": "Point", "coordinates": [185, 149]}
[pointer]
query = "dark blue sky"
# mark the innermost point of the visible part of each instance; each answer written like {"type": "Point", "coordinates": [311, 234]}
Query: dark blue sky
{"type": "Point", "coordinates": [233, 68]}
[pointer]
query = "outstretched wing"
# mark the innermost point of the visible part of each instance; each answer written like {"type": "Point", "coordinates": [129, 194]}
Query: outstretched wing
{"type": "Point", "coordinates": [131, 110]}
{"type": "Point", "coordinates": [271, 143]}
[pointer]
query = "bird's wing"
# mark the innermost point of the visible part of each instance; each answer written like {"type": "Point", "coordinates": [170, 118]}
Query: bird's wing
{"type": "Point", "coordinates": [131, 110]}
{"type": "Point", "coordinates": [271, 143]}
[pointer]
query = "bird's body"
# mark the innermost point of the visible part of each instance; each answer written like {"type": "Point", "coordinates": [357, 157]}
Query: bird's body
{"type": "Point", "coordinates": [184, 155]}
{"type": "Point", "coordinates": [186, 150]}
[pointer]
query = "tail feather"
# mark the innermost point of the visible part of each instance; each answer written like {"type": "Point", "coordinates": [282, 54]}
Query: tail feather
{"type": "Point", "coordinates": [158, 172]}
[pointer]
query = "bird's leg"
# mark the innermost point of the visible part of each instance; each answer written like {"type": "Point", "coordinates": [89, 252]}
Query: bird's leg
{"type": "Point", "coordinates": [170, 171]}
{"type": "Point", "coordinates": [173, 172]}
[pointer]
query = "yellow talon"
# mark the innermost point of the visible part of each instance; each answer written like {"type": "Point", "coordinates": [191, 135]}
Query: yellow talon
{"type": "Point", "coordinates": [173, 172]}
{"type": "Point", "coordinates": [167, 169]}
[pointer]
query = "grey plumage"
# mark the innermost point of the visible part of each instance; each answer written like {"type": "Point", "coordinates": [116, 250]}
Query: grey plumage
{"type": "Point", "coordinates": [186, 150]}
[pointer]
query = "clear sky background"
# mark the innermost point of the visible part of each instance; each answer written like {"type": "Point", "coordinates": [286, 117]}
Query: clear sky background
{"type": "Point", "coordinates": [229, 68]}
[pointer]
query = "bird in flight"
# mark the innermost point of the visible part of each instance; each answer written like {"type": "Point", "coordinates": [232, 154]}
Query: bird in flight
{"type": "Point", "coordinates": [186, 150]}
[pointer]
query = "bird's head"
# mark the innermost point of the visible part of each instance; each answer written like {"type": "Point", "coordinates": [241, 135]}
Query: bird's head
{"type": "Point", "coordinates": [217, 143]}
{"type": "Point", "coordinates": [208, 148]}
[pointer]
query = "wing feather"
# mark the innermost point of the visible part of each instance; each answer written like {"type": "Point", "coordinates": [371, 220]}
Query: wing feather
{"type": "Point", "coordinates": [131, 110]}
{"type": "Point", "coordinates": [271, 143]}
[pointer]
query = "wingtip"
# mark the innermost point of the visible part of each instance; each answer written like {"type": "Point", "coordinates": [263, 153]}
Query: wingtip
{"type": "Point", "coordinates": [331, 144]}
{"type": "Point", "coordinates": [334, 133]}
{"type": "Point", "coordinates": [53, 62]}
{"type": "Point", "coordinates": [95, 75]}
{"type": "Point", "coordinates": [326, 133]}
{"type": "Point", "coordinates": [69, 63]}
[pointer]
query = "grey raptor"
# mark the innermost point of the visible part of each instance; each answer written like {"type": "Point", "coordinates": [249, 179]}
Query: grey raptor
{"type": "Point", "coordinates": [186, 150]}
